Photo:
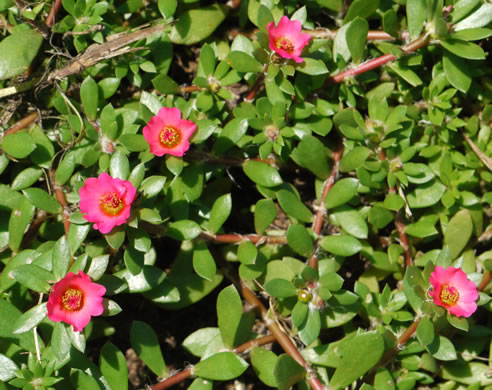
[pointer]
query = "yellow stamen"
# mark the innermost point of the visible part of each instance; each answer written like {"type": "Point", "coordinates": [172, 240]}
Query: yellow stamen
{"type": "Point", "coordinates": [284, 44]}
{"type": "Point", "coordinates": [72, 299]}
{"type": "Point", "coordinates": [449, 295]}
{"type": "Point", "coordinates": [169, 137]}
{"type": "Point", "coordinates": [111, 204]}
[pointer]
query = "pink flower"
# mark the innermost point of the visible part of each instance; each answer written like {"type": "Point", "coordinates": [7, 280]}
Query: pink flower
{"type": "Point", "coordinates": [452, 289]}
{"type": "Point", "coordinates": [286, 38]}
{"type": "Point", "coordinates": [74, 299]}
{"type": "Point", "coordinates": [167, 133]}
{"type": "Point", "coordinates": [106, 201]}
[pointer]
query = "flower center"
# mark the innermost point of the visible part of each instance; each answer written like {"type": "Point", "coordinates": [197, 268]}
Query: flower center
{"type": "Point", "coordinates": [72, 299]}
{"type": "Point", "coordinates": [449, 295]}
{"type": "Point", "coordinates": [170, 137]}
{"type": "Point", "coordinates": [284, 44]}
{"type": "Point", "coordinates": [111, 204]}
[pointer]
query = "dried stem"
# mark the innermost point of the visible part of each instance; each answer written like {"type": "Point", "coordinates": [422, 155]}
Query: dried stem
{"type": "Point", "coordinates": [238, 238]}
{"type": "Point", "coordinates": [487, 161]}
{"type": "Point", "coordinates": [173, 380]}
{"type": "Point", "coordinates": [420, 42]}
{"type": "Point", "coordinates": [50, 20]}
{"type": "Point", "coordinates": [321, 213]}
{"type": "Point", "coordinates": [282, 338]}
{"type": "Point", "coordinates": [23, 123]}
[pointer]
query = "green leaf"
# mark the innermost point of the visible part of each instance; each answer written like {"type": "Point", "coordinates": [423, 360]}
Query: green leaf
{"type": "Point", "coordinates": [463, 49]}
{"type": "Point", "coordinates": [262, 173]}
{"type": "Point", "coordinates": [30, 319]}
{"type": "Point", "coordinates": [229, 313]}
{"type": "Point", "coordinates": [421, 229]}
{"type": "Point", "coordinates": [119, 166]}
{"type": "Point", "coordinates": [287, 372]}
{"type": "Point", "coordinates": [243, 62]}
{"type": "Point", "coordinates": [195, 25]}
{"type": "Point", "coordinates": [460, 323]}
{"type": "Point", "coordinates": [426, 195]}
{"type": "Point", "coordinates": [146, 345]}
{"type": "Point", "coordinates": [113, 366]}
{"type": "Point", "coordinates": [361, 8]}
{"type": "Point", "coordinates": [65, 169]}
{"type": "Point", "coordinates": [77, 235]}
{"type": "Point", "coordinates": [416, 16]}
{"type": "Point", "coordinates": [26, 178]}
{"type": "Point", "coordinates": [357, 357]}
{"type": "Point", "coordinates": [98, 267]}
{"type": "Point", "coordinates": [203, 262]}
{"type": "Point", "coordinates": [7, 368]}
{"type": "Point", "coordinates": [33, 277]}
{"type": "Point", "coordinates": [354, 159]}
{"type": "Point", "coordinates": [208, 60]}
{"type": "Point", "coordinates": [300, 240]}
{"type": "Point", "coordinates": [221, 210]}
{"type": "Point", "coordinates": [265, 214]}
{"type": "Point", "coordinates": [264, 362]}
{"type": "Point", "coordinates": [61, 258]}
{"type": "Point", "coordinates": [18, 145]}
{"type": "Point", "coordinates": [356, 36]}
{"type": "Point", "coordinates": [60, 342]}
{"type": "Point", "coordinates": [247, 253]}
{"type": "Point", "coordinates": [458, 232]}
{"type": "Point", "coordinates": [313, 156]}
{"type": "Point", "coordinates": [280, 288]}
{"type": "Point", "coordinates": [17, 51]}
{"type": "Point", "coordinates": [184, 230]}
{"type": "Point", "coordinates": [152, 185]}
{"type": "Point", "coordinates": [342, 245]}
{"type": "Point", "coordinates": [82, 381]}
{"type": "Point", "coordinates": [309, 330]}
{"type": "Point", "coordinates": [341, 192]}
{"type": "Point", "coordinates": [221, 366]}
{"type": "Point", "coordinates": [480, 18]}
{"type": "Point", "coordinates": [134, 142]}
{"type": "Point", "coordinates": [293, 206]}
{"type": "Point", "coordinates": [312, 67]}
{"type": "Point", "coordinates": [197, 342]}
{"type": "Point", "coordinates": [456, 71]}
{"type": "Point", "coordinates": [89, 94]}
{"type": "Point", "coordinates": [42, 200]}
{"type": "Point", "coordinates": [19, 220]}
{"type": "Point", "coordinates": [165, 84]}
{"type": "Point", "coordinates": [233, 131]}
{"type": "Point", "coordinates": [425, 331]}
{"type": "Point", "coordinates": [167, 8]}
{"type": "Point", "coordinates": [442, 349]}
{"type": "Point", "coordinates": [351, 221]}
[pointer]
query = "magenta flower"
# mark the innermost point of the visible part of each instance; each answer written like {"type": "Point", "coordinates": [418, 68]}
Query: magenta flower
{"type": "Point", "coordinates": [106, 201]}
{"type": "Point", "coordinates": [452, 289]}
{"type": "Point", "coordinates": [167, 133]}
{"type": "Point", "coordinates": [286, 38]}
{"type": "Point", "coordinates": [75, 299]}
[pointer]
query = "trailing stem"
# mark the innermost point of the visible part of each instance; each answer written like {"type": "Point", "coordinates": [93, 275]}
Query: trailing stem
{"type": "Point", "coordinates": [321, 213]}
{"type": "Point", "coordinates": [281, 337]}
{"type": "Point", "coordinates": [23, 123]}
{"type": "Point", "coordinates": [238, 238]}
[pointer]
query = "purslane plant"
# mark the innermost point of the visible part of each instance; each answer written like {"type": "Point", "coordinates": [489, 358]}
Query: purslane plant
{"type": "Point", "coordinates": [320, 219]}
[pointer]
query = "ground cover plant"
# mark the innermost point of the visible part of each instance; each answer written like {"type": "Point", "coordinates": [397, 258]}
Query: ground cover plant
{"type": "Point", "coordinates": [251, 194]}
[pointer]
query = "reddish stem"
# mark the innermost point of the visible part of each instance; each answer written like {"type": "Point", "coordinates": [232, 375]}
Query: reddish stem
{"type": "Point", "coordinates": [62, 199]}
{"type": "Point", "coordinates": [190, 88]}
{"type": "Point", "coordinates": [320, 214]}
{"type": "Point", "coordinates": [485, 280]}
{"type": "Point", "coordinates": [284, 341]}
{"type": "Point", "coordinates": [238, 238]}
{"type": "Point", "coordinates": [420, 42]}
{"type": "Point", "coordinates": [23, 123]}
{"type": "Point", "coordinates": [256, 88]}
{"type": "Point", "coordinates": [254, 343]}
{"type": "Point", "coordinates": [173, 380]}
{"type": "Point", "coordinates": [55, 7]}
{"type": "Point", "coordinates": [400, 226]}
